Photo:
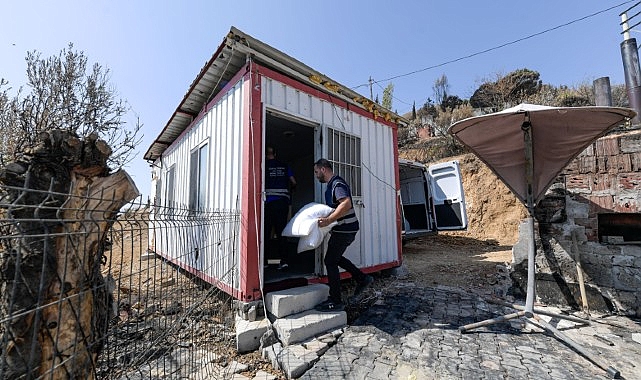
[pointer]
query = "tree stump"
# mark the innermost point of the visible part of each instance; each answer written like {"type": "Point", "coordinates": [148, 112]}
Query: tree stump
{"type": "Point", "coordinates": [58, 202]}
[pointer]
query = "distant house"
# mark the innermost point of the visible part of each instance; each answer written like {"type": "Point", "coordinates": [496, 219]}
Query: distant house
{"type": "Point", "coordinates": [210, 155]}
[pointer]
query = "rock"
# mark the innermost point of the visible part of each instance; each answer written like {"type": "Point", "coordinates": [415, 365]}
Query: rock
{"type": "Point", "coordinates": [269, 338]}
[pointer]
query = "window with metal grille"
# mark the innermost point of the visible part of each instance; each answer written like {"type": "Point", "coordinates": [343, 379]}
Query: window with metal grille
{"type": "Point", "coordinates": [344, 152]}
{"type": "Point", "coordinates": [198, 178]}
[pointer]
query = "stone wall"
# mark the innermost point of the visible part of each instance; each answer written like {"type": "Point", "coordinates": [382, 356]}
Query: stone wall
{"type": "Point", "coordinates": [605, 178]}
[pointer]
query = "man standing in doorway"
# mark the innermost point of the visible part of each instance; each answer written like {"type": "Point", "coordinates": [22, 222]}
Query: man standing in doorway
{"type": "Point", "coordinates": [279, 182]}
{"type": "Point", "coordinates": [338, 196]}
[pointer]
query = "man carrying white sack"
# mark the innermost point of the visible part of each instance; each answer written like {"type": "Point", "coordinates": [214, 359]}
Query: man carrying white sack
{"type": "Point", "coordinates": [339, 197]}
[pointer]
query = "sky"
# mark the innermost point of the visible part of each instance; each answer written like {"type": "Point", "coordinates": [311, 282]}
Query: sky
{"type": "Point", "coordinates": [155, 49]}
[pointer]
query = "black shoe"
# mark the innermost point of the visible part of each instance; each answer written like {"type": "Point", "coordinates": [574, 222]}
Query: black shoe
{"type": "Point", "coordinates": [367, 281]}
{"type": "Point", "coordinates": [329, 305]}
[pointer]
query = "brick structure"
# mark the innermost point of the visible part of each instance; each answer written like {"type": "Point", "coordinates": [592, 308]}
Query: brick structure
{"type": "Point", "coordinates": [598, 200]}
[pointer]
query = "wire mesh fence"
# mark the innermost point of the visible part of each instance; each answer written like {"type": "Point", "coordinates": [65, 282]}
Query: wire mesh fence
{"type": "Point", "coordinates": [82, 295]}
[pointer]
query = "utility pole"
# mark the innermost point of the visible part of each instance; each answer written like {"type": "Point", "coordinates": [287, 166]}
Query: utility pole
{"type": "Point", "coordinates": [630, 55]}
{"type": "Point", "coordinates": [371, 93]}
{"type": "Point", "coordinates": [602, 92]}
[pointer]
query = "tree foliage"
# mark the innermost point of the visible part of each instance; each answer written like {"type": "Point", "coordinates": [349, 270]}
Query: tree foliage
{"type": "Point", "coordinates": [507, 90]}
{"type": "Point", "coordinates": [427, 110]}
{"type": "Point", "coordinates": [575, 96]}
{"type": "Point", "coordinates": [451, 102]}
{"type": "Point", "coordinates": [619, 96]}
{"type": "Point", "coordinates": [64, 93]}
{"type": "Point", "coordinates": [525, 86]}
{"type": "Point", "coordinates": [388, 93]}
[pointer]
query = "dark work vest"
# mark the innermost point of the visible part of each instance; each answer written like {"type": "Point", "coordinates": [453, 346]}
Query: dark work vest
{"type": "Point", "coordinates": [276, 180]}
{"type": "Point", "coordinates": [349, 222]}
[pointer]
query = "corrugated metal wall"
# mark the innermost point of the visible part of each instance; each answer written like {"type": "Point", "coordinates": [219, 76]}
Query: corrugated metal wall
{"type": "Point", "coordinates": [218, 246]}
{"type": "Point", "coordinates": [378, 235]}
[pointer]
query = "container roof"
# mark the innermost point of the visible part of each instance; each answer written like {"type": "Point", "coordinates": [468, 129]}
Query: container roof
{"type": "Point", "coordinates": [229, 58]}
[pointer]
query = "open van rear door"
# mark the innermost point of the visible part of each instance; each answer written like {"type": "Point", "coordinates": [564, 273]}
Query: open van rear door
{"type": "Point", "coordinates": [448, 201]}
{"type": "Point", "coordinates": [416, 210]}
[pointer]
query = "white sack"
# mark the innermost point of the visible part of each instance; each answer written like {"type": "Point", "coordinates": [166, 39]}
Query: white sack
{"type": "Point", "coordinates": [314, 239]}
{"type": "Point", "coordinates": [305, 219]}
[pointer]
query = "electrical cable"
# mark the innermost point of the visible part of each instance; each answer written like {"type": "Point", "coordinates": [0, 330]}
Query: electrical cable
{"type": "Point", "coordinates": [493, 48]}
{"type": "Point", "coordinates": [362, 163]}
{"type": "Point", "coordinates": [393, 97]}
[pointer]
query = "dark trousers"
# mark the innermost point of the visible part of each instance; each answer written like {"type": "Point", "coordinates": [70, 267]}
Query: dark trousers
{"type": "Point", "coordinates": [338, 243]}
{"type": "Point", "coordinates": [276, 216]}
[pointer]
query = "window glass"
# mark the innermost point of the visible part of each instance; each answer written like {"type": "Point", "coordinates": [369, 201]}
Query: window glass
{"type": "Point", "coordinates": [202, 177]}
{"type": "Point", "coordinates": [198, 178]}
{"type": "Point", "coordinates": [169, 190]}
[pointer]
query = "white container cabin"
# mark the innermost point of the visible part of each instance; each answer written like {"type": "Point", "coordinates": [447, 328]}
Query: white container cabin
{"type": "Point", "coordinates": [210, 156]}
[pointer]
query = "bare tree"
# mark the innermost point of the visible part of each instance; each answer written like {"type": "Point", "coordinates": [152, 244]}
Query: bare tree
{"type": "Point", "coordinates": [441, 89]}
{"type": "Point", "coordinates": [65, 94]}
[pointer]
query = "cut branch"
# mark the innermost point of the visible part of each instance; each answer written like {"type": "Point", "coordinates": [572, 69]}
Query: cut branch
{"type": "Point", "coordinates": [58, 205]}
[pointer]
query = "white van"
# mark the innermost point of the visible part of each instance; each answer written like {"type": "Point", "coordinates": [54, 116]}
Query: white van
{"type": "Point", "coordinates": [432, 198]}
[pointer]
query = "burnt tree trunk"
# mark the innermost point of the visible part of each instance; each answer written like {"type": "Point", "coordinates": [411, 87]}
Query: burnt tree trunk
{"type": "Point", "coordinates": [58, 203]}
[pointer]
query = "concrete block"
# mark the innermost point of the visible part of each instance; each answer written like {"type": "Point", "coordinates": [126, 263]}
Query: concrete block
{"type": "Point", "coordinates": [300, 327]}
{"type": "Point", "coordinates": [295, 300]}
{"type": "Point", "coordinates": [236, 367]}
{"type": "Point", "coordinates": [623, 260]}
{"type": "Point", "coordinates": [302, 353]}
{"type": "Point", "coordinates": [250, 311]}
{"type": "Point", "coordinates": [248, 333]}
{"type": "Point", "coordinates": [599, 274]}
{"type": "Point", "coordinates": [628, 279]}
{"type": "Point", "coordinates": [330, 337]}
{"type": "Point", "coordinates": [271, 353]}
{"type": "Point", "coordinates": [294, 365]}
{"type": "Point", "coordinates": [317, 346]}
{"type": "Point", "coordinates": [631, 250]}
{"type": "Point", "coordinates": [520, 248]}
{"type": "Point", "coordinates": [147, 256]}
{"type": "Point", "coordinates": [262, 375]}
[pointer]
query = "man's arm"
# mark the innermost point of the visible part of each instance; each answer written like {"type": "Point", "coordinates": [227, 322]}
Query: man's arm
{"type": "Point", "coordinates": [344, 205]}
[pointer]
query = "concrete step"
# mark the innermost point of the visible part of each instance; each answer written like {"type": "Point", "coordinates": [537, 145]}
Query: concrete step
{"type": "Point", "coordinates": [295, 300]}
{"type": "Point", "coordinates": [293, 316]}
{"type": "Point", "coordinates": [302, 326]}
{"type": "Point", "coordinates": [248, 333]}
{"type": "Point", "coordinates": [294, 360]}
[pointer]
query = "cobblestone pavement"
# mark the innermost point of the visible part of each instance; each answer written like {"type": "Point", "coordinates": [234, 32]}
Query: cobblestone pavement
{"type": "Point", "coordinates": [412, 333]}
